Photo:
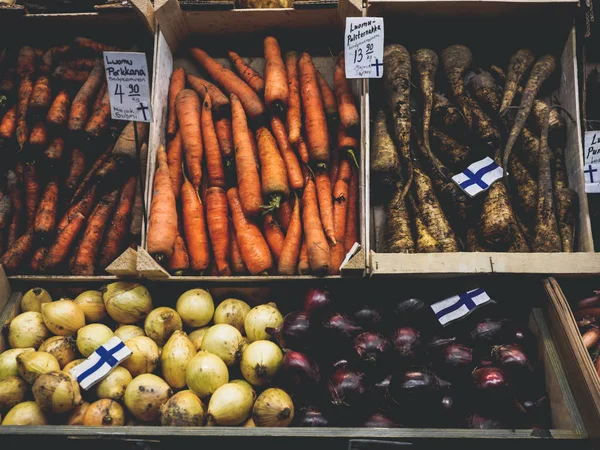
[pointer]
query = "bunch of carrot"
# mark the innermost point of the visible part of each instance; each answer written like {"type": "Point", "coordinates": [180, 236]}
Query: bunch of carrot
{"type": "Point", "coordinates": [69, 197]}
{"type": "Point", "coordinates": [485, 112]}
{"type": "Point", "coordinates": [260, 171]}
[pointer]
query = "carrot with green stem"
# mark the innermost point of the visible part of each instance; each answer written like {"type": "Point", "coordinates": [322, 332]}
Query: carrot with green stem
{"type": "Point", "coordinates": [45, 218]}
{"type": "Point", "coordinates": [100, 119]}
{"type": "Point", "coordinates": [177, 85]}
{"type": "Point", "coordinates": [83, 206]}
{"type": "Point", "coordinates": [326, 204]}
{"type": "Point", "coordinates": [218, 228]}
{"type": "Point", "coordinates": [294, 172]}
{"type": "Point", "coordinates": [347, 110]}
{"type": "Point", "coordinates": [273, 235]}
{"type": "Point", "coordinates": [58, 114]}
{"type": "Point", "coordinates": [316, 243]}
{"type": "Point", "coordinates": [248, 74]}
{"type": "Point", "coordinates": [237, 262]}
{"type": "Point", "coordinates": [194, 227]}
{"type": "Point", "coordinates": [55, 150]}
{"type": "Point", "coordinates": [175, 163]}
{"type": "Point", "coordinates": [276, 85]}
{"type": "Point", "coordinates": [329, 100]}
{"type": "Point", "coordinates": [294, 111]}
{"type": "Point", "coordinates": [317, 136]}
{"type": "Point", "coordinates": [8, 124]}
{"type": "Point", "coordinates": [456, 60]}
{"type": "Point", "coordinates": [187, 106]}
{"type": "Point", "coordinates": [16, 253]}
{"type": "Point", "coordinates": [518, 64]}
{"type": "Point", "coordinates": [347, 143]}
{"type": "Point", "coordinates": [39, 135]}
{"type": "Point", "coordinates": [220, 102]}
{"type": "Point", "coordinates": [37, 259]}
{"type": "Point", "coordinates": [427, 62]}
{"type": "Point", "coordinates": [275, 187]}
{"type": "Point", "coordinates": [288, 260]}
{"type": "Point", "coordinates": [40, 96]}
{"type": "Point", "coordinates": [214, 160]}
{"type": "Point", "coordinates": [80, 108]}
{"type": "Point", "coordinates": [25, 90]}
{"type": "Point", "coordinates": [32, 193]}
{"type": "Point", "coordinates": [60, 249]}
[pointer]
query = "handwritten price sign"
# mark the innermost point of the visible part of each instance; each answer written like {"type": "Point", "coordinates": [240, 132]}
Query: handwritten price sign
{"type": "Point", "coordinates": [127, 78]}
{"type": "Point", "coordinates": [363, 47]}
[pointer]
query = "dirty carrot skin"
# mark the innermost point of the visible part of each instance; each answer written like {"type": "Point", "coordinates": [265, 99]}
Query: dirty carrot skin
{"type": "Point", "coordinates": [55, 150]}
{"type": "Point", "coordinates": [79, 113]}
{"type": "Point", "coordinates": [5, 209]}
{"type": "Point", "coordinates": [284, 213]}
{"type": "Point", "coordinates": [40, 97]}
{"type": "Point", "coordinates": [58, 114]}
{"type": "Point", "coordinates": [276, 86]}
{"type": "Point", "coordinates": [220, 102]}
{"type": "Point", "coordinates": [49, 60]}
{"type": "Point", "coordinates": [25, 91]}
{"type": "Point", "coordinates": [290, 252]}
{"type": "Point", "coordinates": [8, 124]}
{"type": "Point", "coordinates": [15, 193]}
{"type": "Point", "coordinates": [194, 227]}
{"type": "Point", "coordinates": [214, 160]}
{"type": "Point", "coordinates": [59, 250]}
{"type": "Point", "coordinates": [72, 75]}
{"type": "Point", "coordinates": [351, 233]}
{"type": "Point", "coordinates": [518, 64]}
{"type": "Point", "coordinates": [316, 242]}
{"type": "Point", "coordinates": [294, 172]}
{"type": "Point", "coordinates": [94, 46]}
{"type": "Point", "coordinates": [37, 258]}
{"type": "Point", "coordinates": [45, 219]}
{"type": "Point", "coordinates": [498, 223]}
{"type": "Point", "coordinates": [32, 193]}
{"type": "Point", "coordinates": [248, 74]}
{"type": "Point", "coordinates": [253, 247]}
{"type": "Point", "coordinates": [98, 123]}
{"type": "Point", "coordinates": [175, 163]}
{"type": "Point", "coordinates": [456, 60]}
{"type": "Point", "coordinates": [26, 62]}
{"type": "Point", "coordinates": [348, 112]}
{"type": "Point", "coordinates": [99, 97]}
{"type": "Point", "coordinates": [303, 264]}
{"type": "Point", "coordinates": [340, 208]}
{"type": "Point", "coordinates": [485, 90]}
{"type": "Point", "coordinates": [273, 235]}
{"type": "Point", "coordinates": [294, 111]}
{"type": "Point", "coordinates": [426, 61]}
{"type": "Point", "coordinates": [303, 150]}
{"type": "Point", "coordinates": [218, 228]}
{"type": "Point", "coordinates": [80, 63]}
{"type": "Point", "coordinates": [329, 101]}
{"type": "Point", "coordinates": [225, 138]}
{"type": "Point", "coordinates": [39, 135]}
{"type": "Point", "coordinates": [176, 85]}
{"type": "Point", "coordinates": [179, 261]}
{"type": "Point", "coordinates": [83, 206]}
{"type": "Point", "coordinates": [237, 262]}
{"type": "Point", "coordinates": [317, 136]}
{"type": "Point", "coordinates": [444, 114]}
{"type": "Point", "coordinates": [16, 253]}
{"type": "Point", "coordinates": [275, 187]}
{"type": "Point", "coordinates": [187, 106]}
{"type": "Point", "coordinates": [76, 168]}
{"type": "Point", "coordinates": [326, 204]}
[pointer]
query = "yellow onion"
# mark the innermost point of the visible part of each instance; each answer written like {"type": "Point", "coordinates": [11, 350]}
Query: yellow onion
{"type": "Point", "coordinates": [224, 341]}
{"type": "Point", "coordinates": [205, 374]}
{"type": "Point", "coordinates": [63, 348]}
{"type": "Point", "coordinates": [176, 355]}
{"type": "Point", "coordinates": [259, 319]}
{"type": "Point", "coordinates": [260, 362]}
{"type": "Point", "coordinates": [104, 413]}
{"type": "Point", "coordinates": [56, 392]}
{"type": "Point", "coordinates": [184, 409]}
{"type": "Point", "coordinates": [145, 395]}
{"type": "Point", "coordinates": [92, 305]}
{"type": "Point", "coordinates": [26, 413]}
{"type": "Point", "coordinates": [232, 312]}
{"type": "Point", "coordinates": [12, 392]}
{"type": "Point", "coordinates": [249, 423]}
{"type": "Point", "coordinates": [144, 356]}
{"type": "Point", "coordinates": [273, 408]}
{"type": "Point", "coordinates": [68, 367]}
{"type": "Point", "coordinates": [126, 332]}
{"type": "Point", "coordinates": [231, 404]}
{"type": "Point", "coordinates": [27, 330]}
{"type": "Point", "coordinates": [34, 298]}
{"type": "Point", "coordinates": [197, 336]}
{"type": "Point", "coordinates": [63, 317]}
{"type": "Point", "coordinates": [33, 364]}
{"type": "Point", "coordinates": [161, 323]}
{"type": "Point", "coordinates": [92, 336]}
{"type": "Point", "coordinates": [196, 307]}
{"type": "Point", "coordinates": [2, 344]}
{"type": "Point", "coordinates": [247, 386]}
{"type": "Point", "coordinates": [8, 362]}
{"type": "Point", "coordinates": [114, 385]}
{"type": "Point", "coordinates": [127, 303]}
{"type": "Point", "coordinates": [76, 416]}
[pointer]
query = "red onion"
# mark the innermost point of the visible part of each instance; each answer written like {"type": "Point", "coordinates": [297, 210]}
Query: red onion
{"type": "Point", "coordinates": [589, 302]}
{"type": "Point", "coordinates": [410, 312]}
{"type": "Point", "coordinates": [317, 303]}
{"type": "Point", "coordinates": [349, 395]}
{"type": "Point", "coordinates": [294, 333]}
{"type": "Point", "coordinates": [298, 370]}
{"type": "Point", "coordinates": [311, 417]}
{"type": "Point", "coordinates": [379, 420]}
{"type": "Point", "coordinates": [492, 395]}
{"type": "Point", "coordinates": [511, 357]}
{"type": "Point", "coordinates": [370, 350]}
{"type": "Point", "coordinates": [406, 344]}
{"type": "Point", "coordinates": [490, 331]}
{"type": "Point", "coordinates": [341, 328]}
{"type": "Point", "coordinates": [340, 364]}
{"type": "Point", "coordinates": [479, 422]}
{"type": "Point", "coordinates": [537, 412]}
{"type": "Point", "coordinates": [438, 342]}
{"type": "Point", "coordinates": [489, 379]}
{"type": "Point", "coordinates": [368, 317]}
{"type": "Point", "coordinates": [455, 361]}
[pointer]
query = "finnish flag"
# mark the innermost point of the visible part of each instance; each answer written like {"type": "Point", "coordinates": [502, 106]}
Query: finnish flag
{"type": "Point", "coordinates": [101, 363]}
{"type": "Point", "coordinates": [459, 305]}
{"type": "Point", "coordinates": [479, 176]}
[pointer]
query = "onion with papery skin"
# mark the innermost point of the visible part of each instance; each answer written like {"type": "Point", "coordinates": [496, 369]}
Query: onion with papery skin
{"type": "Point", "coordinates": [127, 303]}
{"type": "Point", "coordinates": [63, 348]}
{"type": "Point", "coordinates": [114, 385]}
{"type": "Point", "coordinates": [184, 409]}
{"type": "Point", "coordinates": [224, 341]}
{"type": "Point", "coordinates": [259, 319]}
{"type": "Point", "coordinates": [196, 307]}
{"type": "Point", "coordinates": [229, 405]}
{"type": "Point", "coordinates": [490, 332]}
{"type": "Point", "coordinates": [512, 359]}
{"type": "Point", "coordinates": [104, 413]}
{"type": "Point", "coordinates": [232, 312]}
{"type": "Point", "coordinates": [349, 395]}
{"type": "Point", "coordinates": [205, 374]}
{"type": "Point", "coordinates": [249, 423]}
{"type": "Point", "coordinates": [406, 345]}
{"type": "Point", "coordinates": [145, 395]}
{"type": "Point", "coordinates": [26, 413]}
{"type": "Point", "coordinates": [126, 332]}
{"type": "Point", "coordinates": [8, 362]}
{"type": "Point", "coordinates": [76, 416]}
{"type": "Point", "coordinates": [92, 305]}
{"type": "Point", "coordinates": [63, 317]}
{"type": "Point", "coordinates": [34, 298]}
{"type": "Point", "coordinates": [273, 408]}
{"type": "Point", "coordinates": [317, 304]}
{"type": "Point", "coordinates": [56, 392]}
{"type": "Point", "coordinates": [379, 420]}
{"type": "Point", "coordinates": [246, 386]}
{"type": "Point", "coordinates": [260, 362]}
{"type": "Point", "coordinates": [299, 371]}
{"type": "Point", "coordinates": [311, 417]}
{"type": "Point", "coordinates": [2, 344]}
{"type": "Point", "coordinates": [197, 336]}
{"type": "Point", "coordinates": [340, 329]}
{"type": "Point", "coordinates": [161, 323]}
{"type": "Point", "coordinates": [13, 391]}
{"type": "Point", "coordinates": [144, 356]}
{"type": "Point", "coordinates": [27, 330]}
{"type": "Point", "coordinates": [295, 332]}
{"type": "Point", "coordinates": [68, 367]}
{"type": "Point", "coordinates": [455, 362]}
{"type": "Point", "coordinates": [90, 337]}
{"type": "Point", "coordinates": [176, 356]}
{"type": "Point", "coordinates": [371, 350]}
{"type": "Point", "coordinates": [368, 317]}
{"type": "Point", "coordinates": [33, 364]}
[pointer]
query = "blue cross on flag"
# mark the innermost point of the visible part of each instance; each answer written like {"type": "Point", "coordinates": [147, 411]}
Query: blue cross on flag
{"type": "Point", "coordinates": [591, 173]}
{"type": "Point", "coordinates": [101, 363]}
{"type": "Point", "coordinates": [459, 306]}
{"type": "Point", "coordinates": [479, 176]}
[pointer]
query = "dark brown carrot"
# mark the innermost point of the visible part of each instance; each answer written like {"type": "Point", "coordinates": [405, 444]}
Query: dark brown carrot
{"type": "Point", "coordinates": [99, 97]}
{"type": "Point", "coordinates": [275, 187]}
{"type": "Point", "coordinates": [294, 111]}
{"type": "Point", "coordinates": [237, 262]}
{"type": "Point", "coordinates": [40, 97]}
{"type": "Point", "coordinates": [273, 235]}
{"type": "Point", "coordinates": [94, 46]}
{"type": "Point", "coordinates": [100, 119]}
{"type": "Point", "coordinates": [16, 253]}
{"type": "Point", "coordinates": [32, 193]}
{"type": "Point", "coordinates": [518, 64]}
{"type": "Point", "coordinates": [248, 74]}
{"type": "Point", "coordinates": [58, 114]}
{"type": "Point", "coordinates": [194, 227]}
{"type": "Point", "coordinates": [83, 206]}
{"type": "Point", "coordinates": [8, 125]}
{"type": "Point", "coordinates": [485, 90]}
{"type": "Point", "coordinates": [427, 62]}
{"type": "Point", "coordinates": [45, 219]}
{"type": "Point", "coordinates": [5, 208]}
{"type": "Point", "coordinates": [539, 110]}
{"type": "Point", "coordinates": [291, 246]}
{"type": "Point", "coordinates": [37, 258]}
{"type": "Point", "coordinates": [290, 159]}
{"type": "Point", "coordinates": [214, 160]}
{"type": "Point", "coordinates": [316, 242]}
{"type": "Point", "coordinates": [72, 75]}
{"type": "Point", "coordinates": [80, 108]}
{"type": "Point", "coordinates": [347, 110]}
{"type": "Point", "coordinates": [525, 184]}
{"type": "Point", "coordinates": [329, 101]}
{"type": "Point", "coordinates": [59, 250]}
{"type": "Point", "coordinates": [76, 168]}
{"type": "Point", "coordinates": [55, 150]}
{"type": "Point", "coordinates": [175, 162]}
{"type": "Point", "coordinates": [303, 263]}
{"type": "Point", "coordinates": [26, 62]}
{"type": "Point", "coordinates": [218, 228]}
{"type": "Point", "coordinates": [177, 84]}
{"type": "Point", "coordinates": [444, 114]}
{"type": "Point", "coordinates": [25, 90]}
{"type": "Point", "coordinates": [456, 60]}
{"type": "Point", "coordinates": [79, 63]}
{"type": "Point", "coordinates": [498, 224]}
{"type": "Point", "coordinates": [7, 82]}
{"type": "Point", "coordinates": [482, 125]}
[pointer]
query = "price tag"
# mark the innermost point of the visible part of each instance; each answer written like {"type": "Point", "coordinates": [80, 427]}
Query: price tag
{"type": "Point", "coordinates": [592, 147]}
{"type": "Point", "coordinates": [363, 47]}
{"type": "Point", "coordinates": [127, 77]}
{"type": "Point", "coordinates": [591, 174]}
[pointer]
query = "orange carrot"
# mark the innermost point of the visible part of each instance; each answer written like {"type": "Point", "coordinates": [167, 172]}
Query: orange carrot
{"type": "Point", "coordinates": [80, 109]}
{"type": "Point", "coordinates": [303, 264]}
{"type": "Point", "coordinates": [58, 114]}
{"type": "Point", "coordinates": [294, 112]}
{"type": "Point", "coordinates": [83, 206]}
{"type": "Point", "coordinates": [38, 258]}
{"type": "Point", "coordinates": [117, 229]}
{"type": "Point", "coordinates": [340, 205]}
{"type": "Point", "coordinates": [248, 74]}
{"type": "Point", "coordinates": [284, 213]}
{"type": "Point", "coordinates": [316, 242]}
{"type": "Point", "coordinates": [276, 85]}
{"type": "Point", "coordinates": [289, 157]}
{"type": "Point", "coordinates": [328, 100]}
{"type": "Point", "coordinates": [40, 97]}
{"type": "Point", "coordinates": [245, 163]}
{"type": "Point", "coordinates": [91, 45]}
{"type": "Point", "coordinates": [15, 192]}
{"type": "Point", "coordinates": [8, 124]}
{"type": "Point", "coordinates": [291, 246]}
{"type": "Point", "coordinates": [220, 102]}
{"type": "Point", "coordinates": [72, 75]}
{"type": "Point", "coordinates": [5, 209]}
{"type": "Point", "coordinates": [55, 149]}
{"type": "Point", "coordinates": [16, 253]}
{"type": "Point", "coordinates": [351, 233]}
{"type": "Point", "coordinates": [346, 142]}
{"type": "Point", "coordinates": [177, 85]}
{"type": "Point", "coordinates": [273, 235]}
{"type": "Point", "coordinates": [225, 137]}
{"type": "Point", "coordinates": [237, 262]}
{"type": "Point", "coordinates": [39, 135]}
{"type": "Point", "coordinates": [194, 227]}
{"type": "Point", "coordinates": [218, 228]}
{"type": "Point", "coordinates": [253, 106]}
{"type": "Point", "coordinates": [179, 261]}
{"type": "Point", "coordinates": [175, 161]}
{"type": "Point", "coordinates": [25, 90]}
{"type": "Point", "coordinates": [98, 164]}
{"type": "Point", "coordinates": [32, 193]}
{"type": "Point", "coordinates": [26, 62]}
{"type": "Point", "coordinates": [98, 123]}
{"type": "Point", "coordinates": [80, 63]}
{"type": "Point", "coordinates": [99, 97]}
{"type": "Point", "coordinates": [253, 247]}
{"type": "Point", "coordinates": [314, 114]}
{"type": "Point", "coordinates": [275, 187]}
{"type": "Point", "coordinates": [338, 254]}
{"type": "Point", "coordinates": [59, 250]}
{"type": "Point", "coordinates": [323, 186]}
{"type": "Point", "coordinates": [349, 117]}
{"type": "Point", "coordinates": [214, 161]}
{"type": "Point", "coordinates": [334, 167]}
{"type": "Point", "coordinates": [76, 168]}
{"type": "Point", "coordinates": [48, 60]}
{"type": "Point", "coordinates": [84, 262]}
{"type": "Point", "coordinates": [45, 219]}
{"type": "Point", "coordinates": [187, 106]}
{"type": "Point", "coordinates": [162, 229]}
{"type": "Point", "coordinates": [345, 172]}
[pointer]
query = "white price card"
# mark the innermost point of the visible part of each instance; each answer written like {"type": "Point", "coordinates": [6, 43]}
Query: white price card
{"type": "Point", "coordinates": [363, 47]}
{"type": "Point", "coordinates": [592, 147]}
{"type": "Point", "coordinates": [129, 89]}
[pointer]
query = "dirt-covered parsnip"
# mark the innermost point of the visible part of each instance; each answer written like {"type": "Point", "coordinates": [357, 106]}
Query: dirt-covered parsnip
{"type": "Point", "coordinates": [566, 203]}
{"type": "Point", "coordinates": [526, 186]}
{"type": "Point", "coordinates": [519, 244]}
{"type": "Point", "coordinates": [538, 112]}
{"type": "Point", "coordinates": [456, 59]}
{"type": "Point", "coordinates": [472, 240]}
{"type": "Point", "coordinates": [426, 61]}
{"type": "Point", "coordinates": [529, 149]}
{"type": "Point", "coordinates": [449, 149]}
{"type": "Point", "coordinates": [445, 115]}
{"type": "Point", "coordinates": [484, 88]}
{"type": "Point", "coordinates": [385, 161]}
{"type": "Point", "coordinates": [483, 126]}
{"type": "Point", "coordinates": [498, 223]}
{"type": "Point", "coordinates": [426, 243]}
{"type": "Point", "coordinates": [398, 236]}
{"type": "Point", "coordinates": [518, 64]}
